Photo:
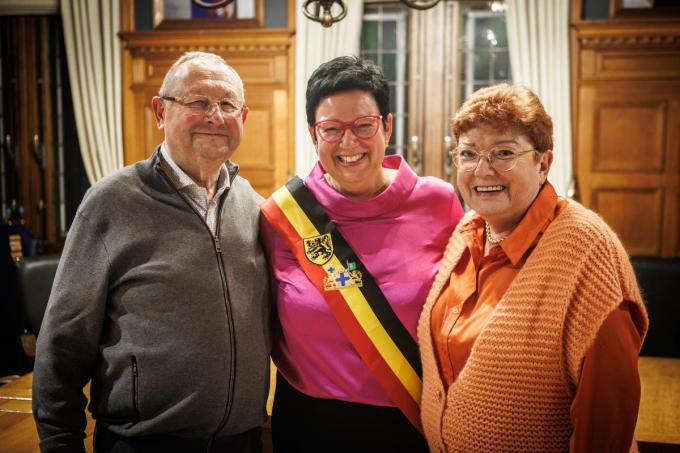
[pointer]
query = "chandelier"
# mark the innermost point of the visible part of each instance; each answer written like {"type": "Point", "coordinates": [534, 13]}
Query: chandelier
{"type": "Point", "coordinates": [321, 9]}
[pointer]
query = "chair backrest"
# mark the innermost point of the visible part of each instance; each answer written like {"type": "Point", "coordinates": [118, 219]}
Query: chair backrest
{"type": "Point", "coordinates": [659, 280]}
{"type": "Point", "coordinates": [36, 275]}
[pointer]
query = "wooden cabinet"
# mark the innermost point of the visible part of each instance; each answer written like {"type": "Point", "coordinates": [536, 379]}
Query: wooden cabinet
{"type": "Point", "coordinates": [265, 60]}
{"type": "Point", "coordinates": [627, 135]}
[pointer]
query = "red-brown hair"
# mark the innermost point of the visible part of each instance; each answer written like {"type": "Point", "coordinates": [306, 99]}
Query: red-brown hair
{"type": "Point", "coordinates": [506, 106]}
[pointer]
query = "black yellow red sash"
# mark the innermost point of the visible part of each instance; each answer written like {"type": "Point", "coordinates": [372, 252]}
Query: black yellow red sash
{"type": "Point", "coordinates": [356, 301]}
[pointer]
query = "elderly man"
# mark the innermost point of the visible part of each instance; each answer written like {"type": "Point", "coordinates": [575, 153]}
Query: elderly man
{"type": "Point", "coordinates": [161, 296]}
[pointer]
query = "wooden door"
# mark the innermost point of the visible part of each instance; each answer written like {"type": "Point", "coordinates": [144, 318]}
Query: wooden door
{"type": "Point", "coordinates": [628, 133]}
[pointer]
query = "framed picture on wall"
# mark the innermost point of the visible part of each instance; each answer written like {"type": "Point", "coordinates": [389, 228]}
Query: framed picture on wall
{"type": "Point", "coordinates": [643, 8]}
{"type": "Point", "coordinates": [174, 14]}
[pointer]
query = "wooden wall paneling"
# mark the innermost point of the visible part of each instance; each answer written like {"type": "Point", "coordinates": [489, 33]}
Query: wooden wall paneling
{"type": "Point", "coordinates": [28, 120]}
{"type": "Point", "coordinates": [627, 105]}
{"type": "Point", "coordinates": [628, 135]}
{"type": "Point", "coordinates": [281, 169]}
{"type": "Point", "coordinates": [630, 65]}
{"type": "Point", "coordinates": [632, 213]}
{"type": "Point", "coordinates": [671, 246]}
{"type": "Point", "coordinates": [617, 147]}
{"type": "Point", "coordinates": [131, 129]}
{"type": "Point", "coordinates": [47, 132]}
{"type": "Point", "coordinates": [575, 10]}
{"type": "Point", "coordinates": [585, 133]}
{"type": "Point", "coordinates": [127, 15]}
{"type": "Point", "coordinates": [292, 11]}
{"type": "Point", "coordinates": [257, 151]}
{"type": "Point", "coordinates": [575, 65]}
{"type": "Point", "coordinates": [29, 93]}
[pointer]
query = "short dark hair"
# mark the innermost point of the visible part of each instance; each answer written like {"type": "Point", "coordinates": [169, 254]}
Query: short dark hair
{"type": "Point", "coordinates": [347, 73]}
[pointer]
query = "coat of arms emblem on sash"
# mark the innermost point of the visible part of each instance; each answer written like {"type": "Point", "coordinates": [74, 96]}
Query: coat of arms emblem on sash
{"type": "Point", "coordinates": [319, 249]}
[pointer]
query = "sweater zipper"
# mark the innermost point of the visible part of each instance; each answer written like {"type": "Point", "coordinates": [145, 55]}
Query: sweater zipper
{"type": "Point", "coordinates": [135, 386]}
{"type": "Point", "coordinates": [225, 291]}
{"type": "Point", "coordinates": [232, 335]}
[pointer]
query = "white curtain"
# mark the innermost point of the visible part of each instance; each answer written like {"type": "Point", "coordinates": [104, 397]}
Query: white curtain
{"type": "Point", "coordinates": [538, 37]}
{"type": "Point", "coordinates": [316, 45]}
{"type": "Point", "coordinates": [93, 55]}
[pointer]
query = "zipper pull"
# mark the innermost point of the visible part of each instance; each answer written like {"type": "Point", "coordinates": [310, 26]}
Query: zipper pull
{"type": "Point", "coordinates": [218, 247]}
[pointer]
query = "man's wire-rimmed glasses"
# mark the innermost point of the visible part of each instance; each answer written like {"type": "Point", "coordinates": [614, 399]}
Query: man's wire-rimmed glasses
{"type": "Point", "coordinates": [364, 127]}
{"type": "Point", "coordinates": [205, 105]}
{"type": "Point", "coordinates": [500, 158]}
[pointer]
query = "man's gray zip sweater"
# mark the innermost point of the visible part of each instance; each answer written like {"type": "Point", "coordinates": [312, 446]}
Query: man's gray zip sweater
{"type": "Point", "coordinates": [170, 323]}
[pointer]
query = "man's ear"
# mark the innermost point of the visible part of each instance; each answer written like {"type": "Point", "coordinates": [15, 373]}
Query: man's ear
{"type": "Point", "coordinates": [158, 111]}
{"type": "Point", "coordinates": [244, 114]}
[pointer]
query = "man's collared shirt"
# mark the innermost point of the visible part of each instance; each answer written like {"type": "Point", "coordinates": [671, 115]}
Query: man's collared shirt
{"type": "Point", "coordinates": [197, 195]}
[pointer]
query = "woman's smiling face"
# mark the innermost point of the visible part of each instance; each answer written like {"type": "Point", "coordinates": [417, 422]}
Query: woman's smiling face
{"type": "Point", "coordinates": [354, 165]}
{"type": "Point", "coordinates": [501, 197]}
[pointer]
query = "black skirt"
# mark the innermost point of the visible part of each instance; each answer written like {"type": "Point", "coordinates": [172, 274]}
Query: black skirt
{"type": "Point", "coordinates": [301, 424]}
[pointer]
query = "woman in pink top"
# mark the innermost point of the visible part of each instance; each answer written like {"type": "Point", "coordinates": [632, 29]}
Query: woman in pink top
{"type": "Point", "coordinates": [339, 386]}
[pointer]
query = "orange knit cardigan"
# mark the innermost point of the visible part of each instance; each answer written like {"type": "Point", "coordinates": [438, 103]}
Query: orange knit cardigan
{"type": "Point", "coordinates": [516, 389]}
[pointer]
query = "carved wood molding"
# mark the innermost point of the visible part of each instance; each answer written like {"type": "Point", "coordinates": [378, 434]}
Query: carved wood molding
{"type": "Point", "coordinates": [227, 41]}
{"type": "Point", "coordinates": [208, 48]}
{"type": "Point", "coordinates": [641, 40]}
{"type": "Point", "coordinates": [612, 35]}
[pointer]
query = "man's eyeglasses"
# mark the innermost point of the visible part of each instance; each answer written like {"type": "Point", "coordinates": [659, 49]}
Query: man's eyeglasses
{"type": "Point", "coordinates": [364, 127]}
{"type": "Point", "coordinates": [205, 105]}
{"type": "Point", "coordinates": [500, 158]}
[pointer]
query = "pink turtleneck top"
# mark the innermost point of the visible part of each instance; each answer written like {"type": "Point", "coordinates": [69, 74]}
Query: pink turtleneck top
{"type": "Point", "coordinates": [400, 236]}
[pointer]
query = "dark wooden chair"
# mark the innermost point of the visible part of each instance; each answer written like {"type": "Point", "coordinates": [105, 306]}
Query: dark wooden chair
{"type": "Point", "coordinates": [659, 280]}
{"type": "Point", "coordinates": [35, 275]}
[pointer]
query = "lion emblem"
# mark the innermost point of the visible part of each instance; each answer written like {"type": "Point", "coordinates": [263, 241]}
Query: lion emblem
{"type": "Point", "coordinates": [319, 249]}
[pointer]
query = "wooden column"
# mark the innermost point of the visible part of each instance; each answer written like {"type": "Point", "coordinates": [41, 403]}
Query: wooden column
{"type": "Point", "coordinates": [433, 93]}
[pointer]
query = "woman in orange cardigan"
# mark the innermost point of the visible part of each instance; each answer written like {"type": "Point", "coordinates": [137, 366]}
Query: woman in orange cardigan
{"type": "Point", "coordinates": [530, 334]}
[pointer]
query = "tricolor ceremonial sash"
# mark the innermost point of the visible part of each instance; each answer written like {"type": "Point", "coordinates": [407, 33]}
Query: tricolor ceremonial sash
{"type": "Point", "coordinates": [356, 301]}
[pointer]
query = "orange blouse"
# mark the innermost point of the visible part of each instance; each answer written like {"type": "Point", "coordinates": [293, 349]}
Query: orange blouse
{"type": "Point", "coordinates": [602, 419]}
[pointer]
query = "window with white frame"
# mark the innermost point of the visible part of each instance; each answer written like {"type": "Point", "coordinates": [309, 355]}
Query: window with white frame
{"type": "Point", "coordinates": [482, 50]}
{"type": "Point", "coordinates": [384, 41]}
{"type": "Point", "coordinates": [485, 59]}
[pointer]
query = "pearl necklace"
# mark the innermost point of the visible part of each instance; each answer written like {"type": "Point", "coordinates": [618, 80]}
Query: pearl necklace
{"type": "Point", "coordinates": [489, 237]}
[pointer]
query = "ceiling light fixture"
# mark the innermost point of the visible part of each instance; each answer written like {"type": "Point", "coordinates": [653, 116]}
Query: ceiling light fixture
{"type": "Point", "coordinates": [321, 10]}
